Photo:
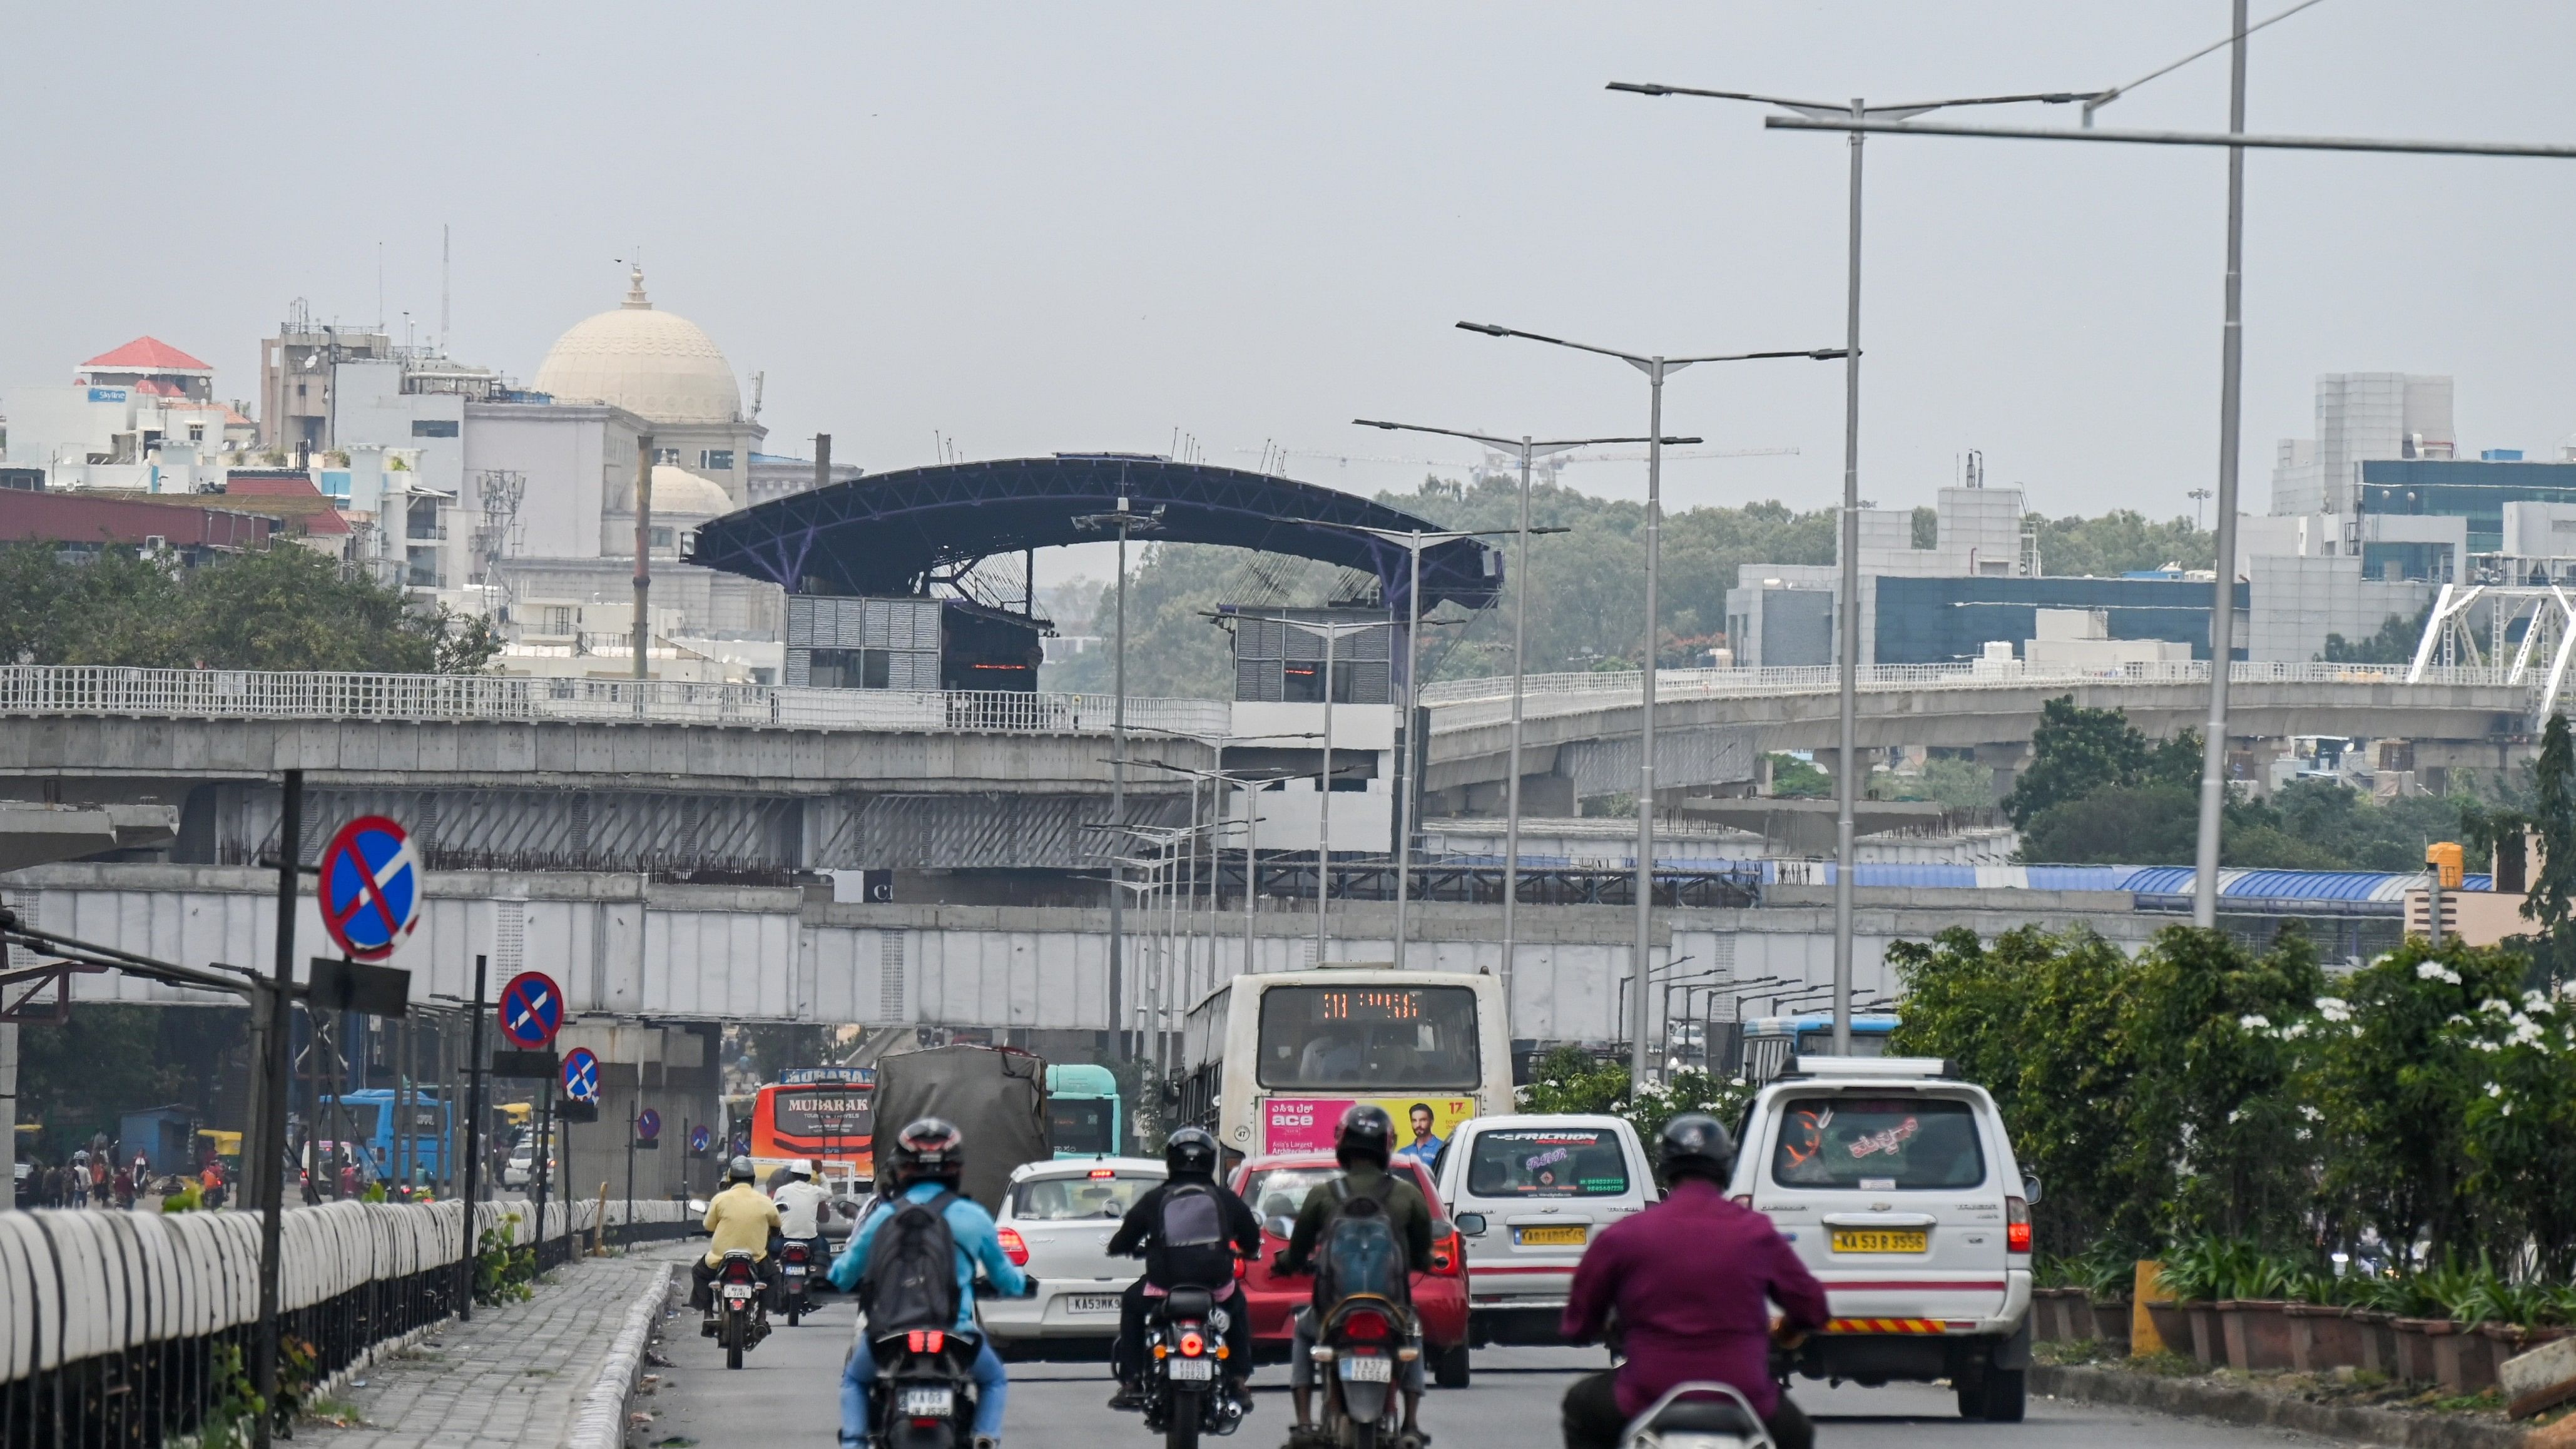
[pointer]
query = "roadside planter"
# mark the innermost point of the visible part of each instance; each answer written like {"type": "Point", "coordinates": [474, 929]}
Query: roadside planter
{"type": "Point", "coordinates": [2255, 1332]}
{"type": "Point", "coordinates": [2111, 1323]}
{"type": "Point", "coordinates": [2323, 1337]}
{"type": "Point", "coordinates": [2414, 1357]}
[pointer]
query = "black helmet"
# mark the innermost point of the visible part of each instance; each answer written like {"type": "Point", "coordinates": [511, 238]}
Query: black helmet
{"type": "Point", "coordinates": [1366, 1131]}
{"type": "Point", "coordinates": [1695, 1144]}
{"type": "Point", "coordinates": [929, 1148]}
{"type": "Point", "coordinates": [1191, 1153]}
{"type": "Point", "coordinates": [739, 1170]}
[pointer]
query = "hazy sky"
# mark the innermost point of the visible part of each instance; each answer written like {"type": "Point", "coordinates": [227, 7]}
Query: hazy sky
{"type": "Point", "coordinates": [1040, 227]}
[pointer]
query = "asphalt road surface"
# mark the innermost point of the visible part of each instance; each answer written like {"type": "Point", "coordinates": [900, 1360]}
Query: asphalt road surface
{"type": "Point", "coordinates": [788, 1393]}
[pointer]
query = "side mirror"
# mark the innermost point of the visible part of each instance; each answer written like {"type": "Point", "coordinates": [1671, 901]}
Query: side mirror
{"type": "Point", "coordinates": [2030, 1190]}
{"type": "Point", "coordinates": [1471, 1224]}
{"type": "Point", "coordinates": [1282, 1226]}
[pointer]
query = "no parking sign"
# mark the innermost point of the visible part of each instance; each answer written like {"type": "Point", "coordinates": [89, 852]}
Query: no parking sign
{"type": "Point", "coordinates": [370, 888]}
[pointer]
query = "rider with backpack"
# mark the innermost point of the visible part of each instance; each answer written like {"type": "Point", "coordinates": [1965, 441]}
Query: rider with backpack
{"type": "Point", "coordinates": [912, 1262]}
{"type": "Point", "coordinates": [1370, 1209]}
{"type": "Point", "coordinates": [1188, 1229]}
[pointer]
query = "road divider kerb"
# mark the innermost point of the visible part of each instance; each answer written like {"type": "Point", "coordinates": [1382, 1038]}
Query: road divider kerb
{"type": "Point", "coordinates": [601, 1421]}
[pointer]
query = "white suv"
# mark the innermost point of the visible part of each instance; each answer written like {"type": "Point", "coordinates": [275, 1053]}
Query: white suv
{"type": "Point", "coordinates": [1530, 1193]}
{"type": "Point", "coordinates": [1897, 1185]}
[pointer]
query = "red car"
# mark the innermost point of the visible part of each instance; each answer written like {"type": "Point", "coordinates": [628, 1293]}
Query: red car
{"type": "Point", "coordinates": [1276, 1187]}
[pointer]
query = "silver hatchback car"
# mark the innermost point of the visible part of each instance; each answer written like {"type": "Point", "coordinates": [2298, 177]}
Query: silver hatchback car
{"type": "Point", "coordinates": [1056, 1222]}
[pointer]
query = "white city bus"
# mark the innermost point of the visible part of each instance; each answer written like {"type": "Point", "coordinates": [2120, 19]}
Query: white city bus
{"type": "Point", "coordinates": [1274, 1060]}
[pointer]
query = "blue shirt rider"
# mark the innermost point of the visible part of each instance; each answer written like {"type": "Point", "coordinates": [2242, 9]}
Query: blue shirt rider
{"type": "Point", "coordinates": [929, 1156]}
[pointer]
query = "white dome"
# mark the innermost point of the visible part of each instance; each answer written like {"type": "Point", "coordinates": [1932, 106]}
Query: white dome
{"type": "Point", "coordinates": [653, 364]}
{"type": "Point", "coordinates": [681, 493]}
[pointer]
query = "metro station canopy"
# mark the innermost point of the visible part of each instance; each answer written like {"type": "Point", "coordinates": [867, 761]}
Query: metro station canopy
{"type": "Point", "coordinates": [888, 533]}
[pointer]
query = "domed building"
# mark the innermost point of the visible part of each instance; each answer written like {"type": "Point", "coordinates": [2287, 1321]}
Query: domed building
{"type": "Point", "coordinates": [665, 369]}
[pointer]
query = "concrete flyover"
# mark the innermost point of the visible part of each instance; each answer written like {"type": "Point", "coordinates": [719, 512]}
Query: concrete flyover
{"type": "Point", "coordinates": [1579, 731]}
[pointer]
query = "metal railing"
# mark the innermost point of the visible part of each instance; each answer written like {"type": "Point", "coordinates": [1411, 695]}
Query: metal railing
{"type": "Point", "coordinates": [1671, 684]}
{"type": "Point", "coordinates": [29, 689]}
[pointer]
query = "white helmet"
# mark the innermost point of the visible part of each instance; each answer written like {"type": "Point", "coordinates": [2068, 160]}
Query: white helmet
{"type": "Point", "coordinates": [801, 1167]}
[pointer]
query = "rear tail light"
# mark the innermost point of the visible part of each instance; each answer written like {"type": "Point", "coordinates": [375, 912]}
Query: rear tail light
{"type": "Point", "coordinates": [926, 1340]}
{"type": "Point", "coordinates": [1449, 1257]}
{"type": "Point", "coordinates": [2016, 1225]}
{"type": "Point", "coordinates": [1192, 1345]}
{"type": "Point", "coordinates": [1242, 1268]}
{"type": "Point", "coordinates": [1015, 1247]}
{"type": "Point", "coordinates": [1366, 1327]}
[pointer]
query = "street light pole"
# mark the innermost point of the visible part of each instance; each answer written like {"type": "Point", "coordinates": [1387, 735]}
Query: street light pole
{"type": "Point", "coordinates": [1330, 633]}
{"type": "Point", "coordinates": [1528, 449]}
{"type": "Point", "coordinates": [1126, 520]}
{"type": "Point", "coordinates": [2222, 610]}
{"type": "Point", "coordinates": [1656, 368]}
{"type": "Point", "coordinates": [1847, 604]}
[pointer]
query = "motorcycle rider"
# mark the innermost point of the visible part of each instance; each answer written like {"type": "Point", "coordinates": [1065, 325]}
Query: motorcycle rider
{"type": "Point", "coordinates": [1689, 1278]}
{"type": "Point", "coordinates": [929, 1159]}
{"type": "Point", "coordinates": [803, 1208]}
{"type": "Point", "coordinates": [1363, 1144]}
{"type": "Point", "coordinates": [1189, 1157]}
{"type": "Point", "coordinates": [741, 1216]}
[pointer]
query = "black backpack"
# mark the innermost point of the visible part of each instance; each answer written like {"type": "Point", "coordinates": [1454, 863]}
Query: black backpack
{"type": "Point", "coordinates": [911, 1277]}
{"type": "Point", "coordinates": [1189, 1248]}
{"type": "Point", "coordinates": [1359, 1249]}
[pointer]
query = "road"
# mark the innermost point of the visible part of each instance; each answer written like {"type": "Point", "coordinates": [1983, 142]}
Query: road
{"type": "Point", "coordinates": [788, 1393]}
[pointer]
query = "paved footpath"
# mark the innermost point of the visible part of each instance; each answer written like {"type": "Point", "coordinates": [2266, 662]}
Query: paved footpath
{"type": "Point", "coordinates": [516, 1376]}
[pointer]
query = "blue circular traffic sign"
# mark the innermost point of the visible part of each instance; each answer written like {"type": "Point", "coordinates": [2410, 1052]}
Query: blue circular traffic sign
{"type": "Point", "coordinates": [370, 888]}
{"type": "Point", "coordinates": [581, 1074]}
{"type": "Point", "coordinates": [700, 1139]}
{"type": "Point", "coordinates": [648, 1124]}
{"type": "Point", "coordinates": [531, 1010]}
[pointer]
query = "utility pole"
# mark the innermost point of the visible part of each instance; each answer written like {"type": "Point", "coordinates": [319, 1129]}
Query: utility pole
{"type": "Point", "coordinates": [271, 1123]}
{"type": "Point", "coordinates": [1126, 520]}
{"type": "Point", "coordinates": [643, 557]}
{"type": "Point", "coordinates": [473, 1140]}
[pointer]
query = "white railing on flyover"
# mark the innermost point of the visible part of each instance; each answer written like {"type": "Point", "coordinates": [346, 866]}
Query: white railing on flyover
{"type": "Point", "coordinates": [1885, 678]}
{"type": "Point", "coordinates": [30, 689]}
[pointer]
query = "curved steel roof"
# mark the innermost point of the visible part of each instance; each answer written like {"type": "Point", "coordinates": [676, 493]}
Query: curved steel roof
{"type": "Point", "coordinates": [880, 534]}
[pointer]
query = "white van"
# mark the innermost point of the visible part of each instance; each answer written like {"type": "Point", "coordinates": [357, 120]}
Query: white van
{"type": "Point", "coordinates": [1529, 1194]}
{"type": "Point", "coordinates": [1898, 1187]}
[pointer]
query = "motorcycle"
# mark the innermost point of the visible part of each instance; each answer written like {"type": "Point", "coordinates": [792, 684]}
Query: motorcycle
{"type": "Point", "coordinates": [796, 1268]}
{"type": "Point", "coordinates": [1361, 1346]}
{"type": "Point", "coordinates": [742, 1305]}
{"type": "Point", "coordinates": [1186, 1393]}
{"type": "Point", "coordinates": [925, 1393]}
{"type": "Point", "coordinates": [1697, 1415]}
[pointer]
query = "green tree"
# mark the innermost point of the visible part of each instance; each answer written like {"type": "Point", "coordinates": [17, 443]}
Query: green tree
{"type": "Point", "coordinates": [2077, 751]}
{"type": "Point", "coordinates": [2119, 542]}
{"type": "Point", "coordinates": [2393, 644]}
{"type": "Point", "coordinates": [2553, 818]}
{"type": "Point", "coordinates": [78, 1076]}
{"type": "Point", "coordinates": [2155, 824]}
{"type": "Point", "coordinates": [1796, 779]}
{"type": "Point", "coordinates": [2521, 1127]}
{"type": "Point", "coordinates": [287, 608]}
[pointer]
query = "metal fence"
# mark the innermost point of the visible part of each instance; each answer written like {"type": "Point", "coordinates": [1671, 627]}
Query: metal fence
{"type": "Point", "coordinates": [128, 1328]}
{"type": "Point", "coordinates": [1611, 687]}
{"type": "Point", "coordinates": [30, 689]}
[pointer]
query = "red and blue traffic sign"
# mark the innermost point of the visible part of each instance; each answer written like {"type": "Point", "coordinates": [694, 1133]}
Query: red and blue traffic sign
{"type": "Point", "coordinates": [370, 887]}
{"type": "Point", "coordinates": [581, 1074]}
{"type": "Point", "coordinates": [700, 1138]}
{"type": "Point", "coordinates": [531, 1010]}
{"type": "Point", "coordinates": [648, 1124]}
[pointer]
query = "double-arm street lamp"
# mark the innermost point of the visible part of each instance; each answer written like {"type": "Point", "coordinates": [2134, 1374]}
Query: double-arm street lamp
{"type": "Point", "coordinates": [1656, 369]}
{"type": "Point", "coordinates": [1847, 651]}
{"type": "Point", "coordinates": [1127, 521]}
{"type": "Point", "coordinates": [1528, 448]}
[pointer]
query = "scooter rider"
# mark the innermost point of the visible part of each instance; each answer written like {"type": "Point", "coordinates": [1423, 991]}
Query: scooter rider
{"type": "Point", "coordinates": [803, 1208]}
{"type": "Point", "coordinates": [1362, 1144]}
{"type": "Point", "coordinates": [741, 1216]}
{"type": "Point", "coordinates": [1689, 1278]}
{"type": "Point", "coordinates": [929, 1159]}
{"type": "Point", "coordinates": [1190, 1161]}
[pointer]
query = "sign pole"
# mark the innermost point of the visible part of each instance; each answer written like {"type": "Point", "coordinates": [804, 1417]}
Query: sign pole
{"type": "Point", "coordinates": [544, 1157]}
{"type": "Point", "coordinates": [272, 1102]}
{"type": "Point", "coordinates": [631, 1104]}
{"type": "Point", "coordinates": [473, 1141]}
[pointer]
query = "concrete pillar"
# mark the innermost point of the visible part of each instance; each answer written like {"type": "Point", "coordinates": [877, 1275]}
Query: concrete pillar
{"type": "Point", "coordinates": [9, 1108]}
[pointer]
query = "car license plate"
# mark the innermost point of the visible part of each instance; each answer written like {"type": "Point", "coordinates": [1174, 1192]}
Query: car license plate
{"type": "Point", "coordinates": [1091, 1303]}
{"type": "Point", "coordinates": [1370, 1370]}
{"type": "Point", "coordinates": [929, 1403]}
{"type": "Point", "coordinates": [1197, 1370]}
{"type": "Point", "coordinates": [1882, 1240]}
{"type": "Point", "coordinates": [1549, 1237]}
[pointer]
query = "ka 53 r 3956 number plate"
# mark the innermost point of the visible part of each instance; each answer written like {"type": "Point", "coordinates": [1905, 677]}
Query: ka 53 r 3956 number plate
{"type": "Point", "coordinates": [1882, 1240]}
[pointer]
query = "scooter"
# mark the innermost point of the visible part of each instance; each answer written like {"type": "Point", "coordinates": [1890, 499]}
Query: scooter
{"type": "Point", "coordinates": [1361, 1346]}
{"type": "Point", "coordinates": [925, 1394]}
{"type": "Point", "coordinates": [742, 1305]}
{"type": "Point", "coordinates": [1186, 1394]}
{"type": "Point", "coordinates": [1697, 1415]}
{"type": "Point", "coordinates": [796, 1266]}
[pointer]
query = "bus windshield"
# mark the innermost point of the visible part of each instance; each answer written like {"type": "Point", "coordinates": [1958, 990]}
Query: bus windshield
{"type": "Point", "coordinates": [1342, 1037]}
{"type": "Point", "coordinates": [1080, 1124]}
